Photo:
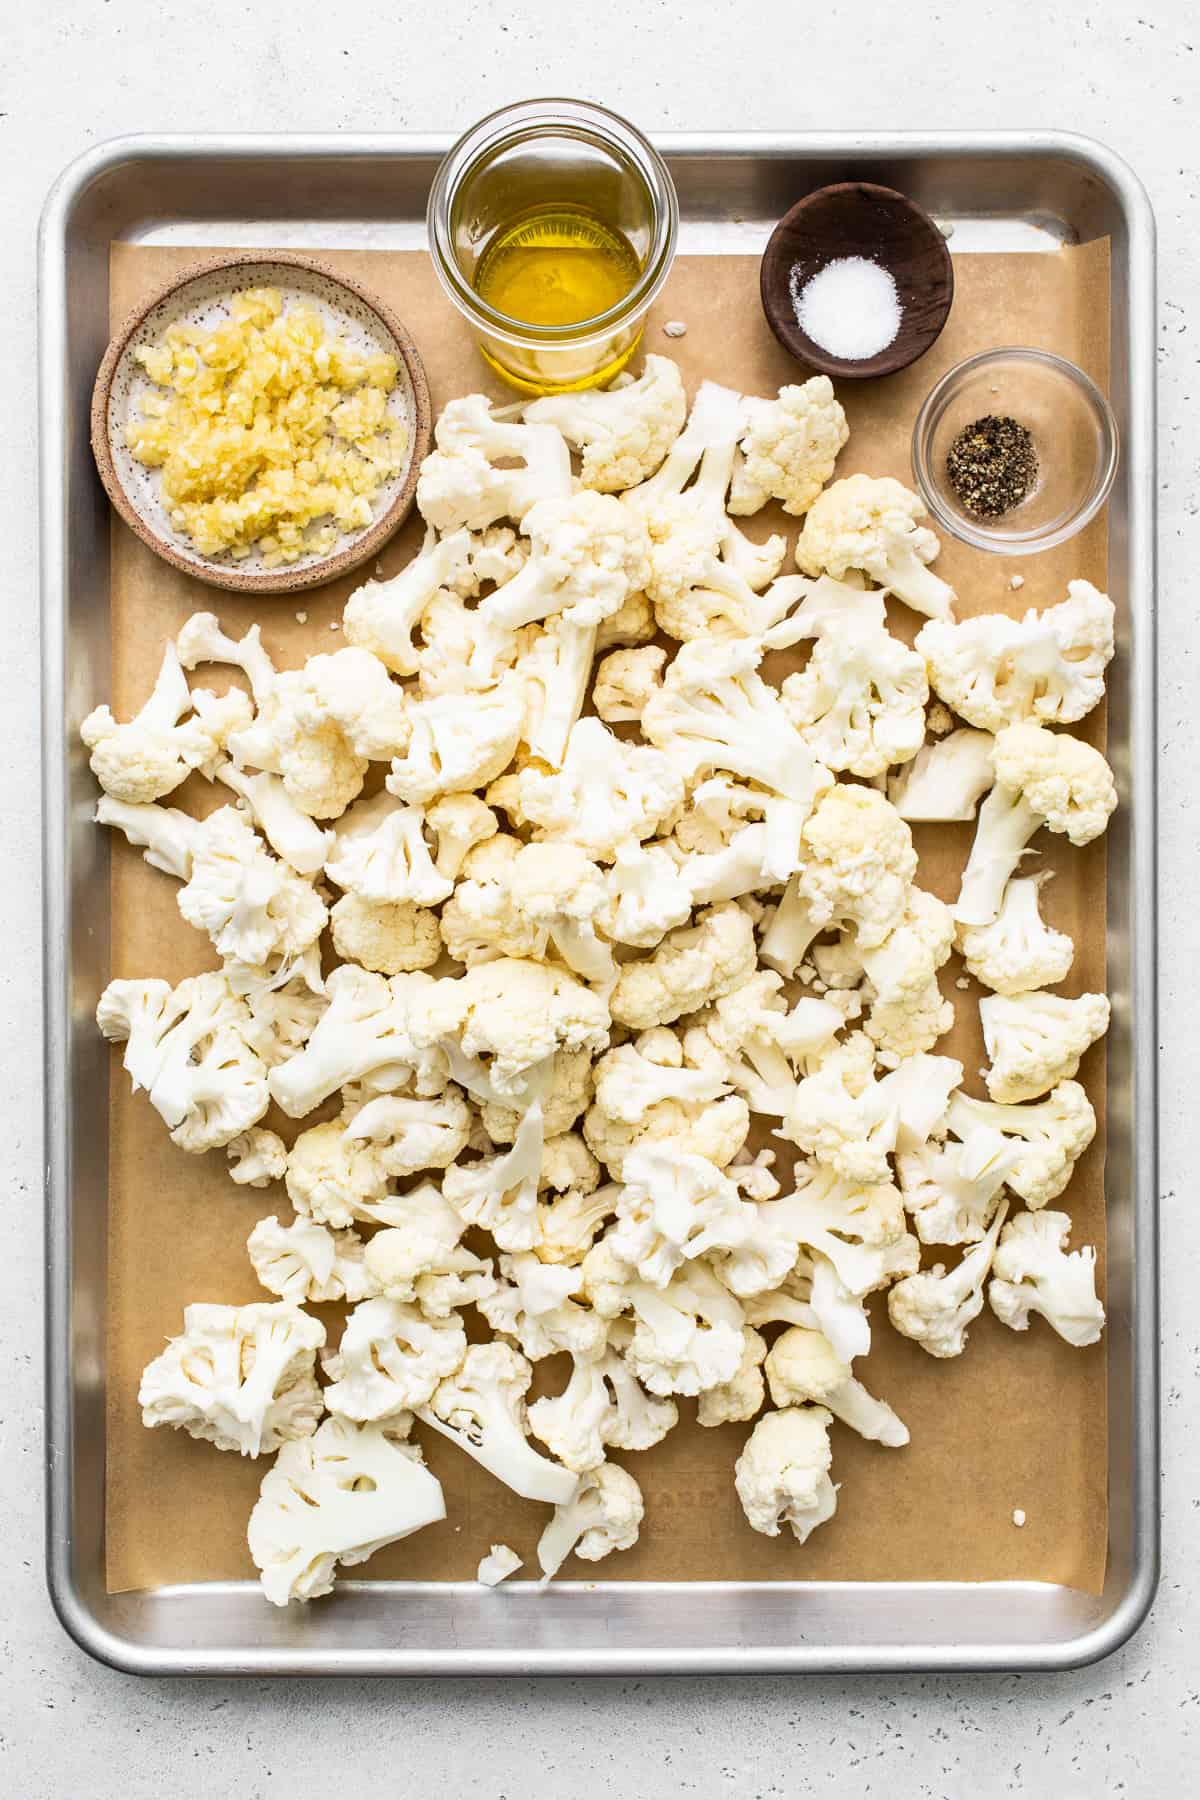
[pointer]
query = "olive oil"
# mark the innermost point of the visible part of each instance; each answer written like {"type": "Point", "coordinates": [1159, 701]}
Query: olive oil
{"type": "Point", "coordinates": [556, 267]}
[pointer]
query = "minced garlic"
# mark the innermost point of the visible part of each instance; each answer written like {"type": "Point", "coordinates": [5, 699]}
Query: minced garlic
{"type": "Point", "coordinates": [269, 425]}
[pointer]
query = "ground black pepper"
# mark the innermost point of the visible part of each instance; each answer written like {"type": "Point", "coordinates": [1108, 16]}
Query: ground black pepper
{"type": "Point", "coordinates": [992, 465]}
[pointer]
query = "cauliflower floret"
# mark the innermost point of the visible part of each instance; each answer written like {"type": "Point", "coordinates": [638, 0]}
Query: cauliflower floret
{"type": "Point", "coordinates": [606, 794]}
{"type": "Point", "coordinates": [623, 433]}
{"type": "Point", "coordinates": [860, 1228]}
{"type": "Point", "coordinates": [481, 920]}
{"type": "Point", "coordinates": [412, 1134]}
{"type": "Point", "coordinates": [1018, 951]}
{"type": "Point", "coordinates": [469, 479]}
{"type": "Point", "coordinates": [140, 761]}
{"type": "Point", "coordinates": [167, 834]}
{"type": "Point", "coordinates": [814, 1295]}
{"type": "Point", "coordinates": [742, 1396]}
{"type": "Point", "coordinates": [499, 1563]}
{"type": "Point", "coordinates": [687, 1336]}
{"type": "Point", "coordinates": [337, 1497]}
{"type": "Point", "coordinates": [1054, 1133]}
{"type": "Point", "coordinates": [952, 1190]}
{"type": "Point", "coordinates": [1042, 778]}
{"type": "Point", "coordinates": [1036, 1040]}
{"type": "Point", "coordinates": [996, 671]}
{"type": "Point", "coordinates": [859, 701]}
{"type": "Point", "coordinates": [459, 822]}
{"type": "Point", "coordinates": [252, 906]}
{"type": "Point", "coordinates": [532, 1303]}
{"type": "Point", "coordinates": [290, 831]}
{"type": "Point", "coordinates": [714, 711]}
{"type": "Point", "coordinates": [625, 681]}
{"type": "Point", "coordinates": [459, 741]}
{"type": "Point", "coordinates": [763, 1045]}
{"type": "Point", "coordinates": [1032, 1273]}
{"type": "Point", "coordinates": [692, 967]}
{"type": "Point", "coordinates": [873, 524]}
{"type": "Point", "coordinates": [782, 1475]}
{"type": "Point", "coordinates": [907, 1013]}
{"type": "Point", "coordinates": [256, 1158]}
{"type": "Point", "coordinates": [647, 896]}
{"type": "Point", "coordinates": [366, 1032]}
{"type": "Point", "coordinates": [380, 853]}
{"type": "Point", "coordinates": [333, 1178]}
{"type": "Point", "coordinates": [517, 1013]}
{"type": "Point", "coordinates": [390, 1359]}
{"type": "Point", "coordinates": [239, 1376]}
{"type": "Point", "coordinates": [673, 1207]}
{"type": "Point", "coordinates": [304, 1261]}
{"type": "Point", "coordinates": [587, 554]}
{"type": "Point", "coordinates": [632, 623]}
{"type": "Point", "coordinates": [946, 779]}
{"type": "Point", "coordinates": [789, 447]}
{"type": "Point", "coordinates": [482, 1410]}
{"type": "Point", "coordinates": [860, 863]}
{"type": "Point", "coordinates": [565, 1097]}
{"type": "Point", "coordinates": [192, 1049]}
{"type": "Point", "coordinates": [419, 1258]}
{"type": "Point", "coordinates": [934, 1307]}
{"type": "Point", "coordinates": [556, 670]}
{"type": "Point", "coordinates": [201, 640]}
{"type": "Point", "coordinates": [500, 1192]}
{"type": "Point", "coordinates": [390, 937]}
{"type": "Point", "coordinates": [603, 1515]}
{"type": "Point", "coordinates": [802, 1366]}
{"type": "Point", "coordinates": [562, 891]}
{"type": "Point", "coordinates": [382, 615]}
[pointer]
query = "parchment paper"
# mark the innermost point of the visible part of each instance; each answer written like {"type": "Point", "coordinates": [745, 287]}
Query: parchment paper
{"type": "Point", "coordinates": [1017, 1421]}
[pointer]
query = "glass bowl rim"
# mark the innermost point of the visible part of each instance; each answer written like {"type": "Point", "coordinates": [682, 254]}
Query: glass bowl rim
{"type": "Point", "coordinates": [571, 118]}
{"type": "Point", "coordinates": [997, 540]}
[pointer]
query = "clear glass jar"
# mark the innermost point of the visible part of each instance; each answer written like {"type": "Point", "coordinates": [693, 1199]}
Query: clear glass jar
{"type": "Point", "coordinates": [526, 159]}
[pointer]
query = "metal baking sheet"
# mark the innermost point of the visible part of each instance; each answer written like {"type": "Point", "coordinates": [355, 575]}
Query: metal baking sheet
{"type": "Point", "coordinates": [1000, 191]}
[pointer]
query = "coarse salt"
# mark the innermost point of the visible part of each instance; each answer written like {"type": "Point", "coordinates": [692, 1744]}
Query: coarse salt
{"type": "Point", "coordinates": [1018, 581]}
{"type": "Point", "coordinates": [1018, 1517]}
{"type": "Point", "coordinates": [850, 308]}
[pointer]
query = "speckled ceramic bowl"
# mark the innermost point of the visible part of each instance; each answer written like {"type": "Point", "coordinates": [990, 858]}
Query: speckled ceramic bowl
{"type": "Point", "coordinates": [203, 295]}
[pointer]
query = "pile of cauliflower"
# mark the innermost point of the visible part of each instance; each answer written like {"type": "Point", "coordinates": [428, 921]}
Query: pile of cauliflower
{"type": "Point", "coordinates": [569, 969]}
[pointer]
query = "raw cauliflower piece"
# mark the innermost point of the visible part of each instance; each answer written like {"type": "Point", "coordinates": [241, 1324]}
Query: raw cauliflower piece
{"type": "Point", "coordinates": [419, 1258]}
{"type": "Point", "coordinates": [1042, 778]}
{"type": "Point", "coordinates": [952, 1190]}
{"type": "Point", "coordinates": [1052, 1135]}
{"type": "Point", "coordinates": [532, 1303]}
{"type": "Point", "coordinates": [564, 1097]}
{"type": "Point", "coordinates": [333, 1179]}
{"type": "Point", "coordinates": [803, 1367]}
{"type": "Point", "coordinates": [191, 1047]}
{"type": "Point", "coordinates": [934, 1307]}
{"type": "Point", "coordinates": [516, 1013]}
{"type": "Point", "coordinates": [304, 1261]}
{"type": "Point", "coordinates": [501, 1192]}
{"type": "Point", "coordinates": [1037, 1040]}
{"type": "Point", "coordinates": [762, 1046]}
{"type": "Point", "coordinates": [860, 863]}
{"type": "Point", "coordinates": [372, 1029]}
{"type": "Point", "coordinates": [389, 937]}
{"type": "Point", "coordinates": [714, 711]}
{"type": "Point", "coordinates": [291, 833]}
{"type": "Point", "coordinates": [390, 1359]}
{"type": "Point", "coordinates": [946, 779]}
{"type": "Point", "coordinates": [782, 1475]}
{"type": "Point", "coordinates": [239, 1376]}
{"type": "Point", "coordinates": [256, 1158]}
{"type": "Point", "coordinates": [481, 920]}
{"type": "Point", "coordinates": [692, 967]}
{"type": "Point", "coordinates": [814, 1295]}
{"type": "Point", "coordinates": [603, 1405]}
{"type": "Point", "coordinates": [337, 1497]}
{"type": "Point", "coordinates": [252, 906]}
{"type": "Point", "coordinates": [149, 755]}
{"type": "Point", "coordinates": [742, 1396]}
{"type": "Point", "coordinates": [647, 896]}
{"type": "Point", "coordinates": [470, 479]}
{"type": "Point", "coordinates": [996, 671]}
{"type": "Point", "coordinates": [859, 701]}
{"type": "Point", "coordinates": [673, 1206]}
{"type": "Point", "coordinates": [588, 553]}
{"type": "Point", "coordinates": [624, 682]}
{"type": "Point", "coordinates": [556, 670]}
{"type": "Point", "coordinates": [606, 794]}
{"type": "Point", "coordinates": [907, 1011]}
{"type": "Point", "coordinates": [380, 853]}
{"type": "Point", "coordinates": [789, 447]}
{"type": "Point", "coordinates": [458, 822]}
{"type": "Point", "coordinates": [603, 1515]}
{"type": "Point", "coordinates": [874, 524]}
{"type": "Point", "coordinates": [1018, 951]}
{"type": "Point", "coordinates": [563, 892]}
{"type": "Point", "coordinates": [860, 1229]}
{"type": "Point", "coordinates": [459, 741]}
{"type": "Point", "coordinates": [381, 616]}
{"type": "Point", "coordinates": [687, 1336]}
{"type": "Point", "coordinates": [1033, 1273]}
{"type": "Point", "coordinates": [482, 1410]}
{"type": "Point", "coordinates": [167, 834]}
{"type": "Point", "coordinates": [632, 623]}
{"type": "Point", "coordinates": [622, 433]}
{"type": "Point", "coordinates": [499, 1563]}
{"type": "Point", "coordinates": [411, 1134]}
{"type": "Point", "coordinates": [201, 640]}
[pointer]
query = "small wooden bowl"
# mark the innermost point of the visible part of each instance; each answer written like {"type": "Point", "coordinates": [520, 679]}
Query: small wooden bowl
{"type": "Point", "coordinates": [859, 218]}
{"type": "Point", "coordinates": [204, 291]}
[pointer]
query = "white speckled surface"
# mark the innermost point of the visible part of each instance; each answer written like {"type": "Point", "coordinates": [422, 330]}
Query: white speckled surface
{"type": "Point", "coordinates": [77, 71]}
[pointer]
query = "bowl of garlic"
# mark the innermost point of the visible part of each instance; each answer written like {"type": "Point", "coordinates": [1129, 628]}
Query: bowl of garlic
{"type": "Point", "coordinates": [259, 423]}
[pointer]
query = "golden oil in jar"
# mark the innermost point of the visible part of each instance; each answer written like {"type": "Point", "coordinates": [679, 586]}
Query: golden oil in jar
{"type": "Point", "coordinates": [557, 266]}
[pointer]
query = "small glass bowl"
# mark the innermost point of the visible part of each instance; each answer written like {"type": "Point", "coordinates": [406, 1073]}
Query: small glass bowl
{"type": "Point", "coordinates": [1074, 432]}
{"type": "Point", "coordinates": [545, 153]}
